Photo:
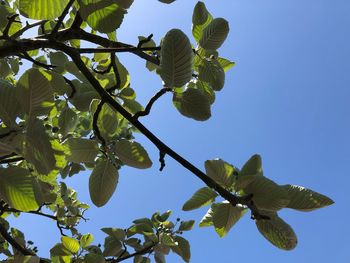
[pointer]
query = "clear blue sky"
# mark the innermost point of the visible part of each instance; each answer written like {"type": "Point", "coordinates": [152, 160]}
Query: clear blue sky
{"type": "Point", "coordinates": [287, 99]}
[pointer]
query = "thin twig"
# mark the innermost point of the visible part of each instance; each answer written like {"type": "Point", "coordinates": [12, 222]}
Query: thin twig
{"type": "Point", "coordinates": [11, 20]}
{"type": "Point", "coordinates": [61, 18]}
{"type": "Point", "coordinates": [28, 26]}
{"type": "Point", "coordinates": [151, 102]}
{"type": "Point", "coordinates": [144, 41]}
{"type": "Point", "coordinates": [116, 74]}
{"type": "Point", "coordinates": [14, 243]}
{"type": "Point", "coordinates": [161, 160]}
{"type": "Point", "coordinates": [70, 83]}
{"type": "Point", "coordinates": [116, 49]}
{"type": "Point", "coordinates": [95, 125]}
{"type": "Point", "coordinates": [26, 56]}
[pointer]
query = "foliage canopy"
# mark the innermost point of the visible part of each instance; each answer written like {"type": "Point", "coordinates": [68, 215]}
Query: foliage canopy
{"type": "Point", "coordinates": [75, 110]}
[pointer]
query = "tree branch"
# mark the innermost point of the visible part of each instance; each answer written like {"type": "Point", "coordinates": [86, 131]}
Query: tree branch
{"type": "Point", "coordinates": [61, 18]}
{"type": "Point", "coordinates": [28, 26]}
{"type": "Point", "coordinates": [151, 102]}
{"type": "Point", "coordinates": [94, 123]}
{"type": "Point", "coordinates": [14, 243]}
{"type": "Point", "coordinates": [116, 49]}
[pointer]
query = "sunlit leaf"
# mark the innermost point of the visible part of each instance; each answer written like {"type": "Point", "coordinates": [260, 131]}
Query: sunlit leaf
{"type": "Point", "coordinates": [34, 93]}
{"type": "Point", "coordinates": [193, 103]}
{"type": "Point", "coordinates": [220, 171]}
{"type": "Point", "coordinates": [81, 150]}
{"type": "Point", "coordinates": [70, 243]}
{"type": "Point", "coordinates": [132, 154]}
{"type": "Point", "coordinates": [176, 59]}
{"type": "Point", "coordinates": [42, 9]}
{"type": "Point", "coordinates": [202, 197]}
{"type": "Point", "coordinates": [38, 149]}
{"type": "Point", "coordinates": [182, 249]}
{"type": "Point", "coordinates": [103, 182]}
{"type": "Point", "coordinates": [214, 34]}
{"type": "Point", "coordinates": [17, 188]}
{"type": "Point", "coordinates": [104, 16]}
{"type": "Point", "coordinates": [9, 107]}
{"type": "Point", "coordinates": [278, 233]}
{"type": "Point", "coordinates": [200, 19]}
{"type": "Point", "coordinates": [304, 199]}
{"type": "Point", "coordinates": [225, 215]}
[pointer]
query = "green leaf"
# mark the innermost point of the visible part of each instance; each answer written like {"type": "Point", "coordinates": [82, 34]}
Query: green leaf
{"type": "Point", "coordinates": [207, 219]}
{"type": "Point", "coordinates": [112, 247]}
{"type": "Point", "coordinates": [211, 71]}
{"type": "Point", "coordinates": [86, 240]}
{"type": "Point", "coordinates": [193, 103]}
{"type": "Point", "coordinates": [67, 121]}
{"type": "Point", "coordinates": [166, 1]}
{"type": "Point", "coordinates": [225, 63]}
{"type": "Point", "coordinates": [17, 188]}
{"type": "Point", "coordinates": [182, 249]}
{"type": "Point", "coordinates": [167, 240]}
{"type": "Point", "coordinates": [104, 16]}
{"type": "Point", "coordinates": [42, 9]}
{"type": "Point", "coordinates": [58, 59]}
{"type": "Point", "coordinates": [38, 149]}
{"type": "Point", "coordinates": [252, 166]}
{"type": "Point", "coordinates": [9, 107]}
{"type": "Point", "coordinates": [200, 20]}
{"type": "Point", "coordinates": [115, 232]}
{"type": "Point", "coordinates": [34, 93]}
{"type": "Point", "coordinates": [81, 150]}
{"type": "Point", "coordinates": [103, 182]}
{"type": "Point", "coordinates": [107, 121]}
{"type": "Point", "coordinates": [132, 154]}
{"type": "Point", "coordinates": [176, 59]}
{"type": "Point", "coordinates": [202, 197]}
{"type": "Point", "coordinates": [71, 244]}
{"type": "Point", "coordinates": [220, 171]}
{"type": "Point", "coordinates": [5, 12]}
{"type": "Point", "coordinates": [159, 257]}
{"type": "Point", "coordinates": [278, 233]}
{"type": "Point", "coordinates": [214, 34]}
{"type": "Point", "coordinates": [304, 199]}
{"type": "Point", "coordinates": [94, 258]}
{"type": "Point", "coordinates": [267, 195]}
{"type": "Point", "coordinates": [225, 215]}
{"type": "Point", "coordinates": [186, 225]}
{"type": "Point", "coordinates": [124, 3]}
{"type": "Point", "coordinates": [60, 250]}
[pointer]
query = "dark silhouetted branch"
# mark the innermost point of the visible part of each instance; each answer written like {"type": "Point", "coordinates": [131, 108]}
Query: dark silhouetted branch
{"type": "Point", "coordinates": [61, 18]}
{"type": "Point", "coordinates": [151, 102]}
{"type": "Point", "coordinates": [95, 125]}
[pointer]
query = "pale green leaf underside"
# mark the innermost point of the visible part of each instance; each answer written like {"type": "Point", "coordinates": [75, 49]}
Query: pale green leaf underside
{"type": "Point", "coordinates": [176, 59]}
{"type": "Point", "coordinates": [34, 93]}
{"type": "Point", "coordinates": [193, 103]}
{"type": "Point", "coordinates": [182, 249]}
{"type": "Point", "coordinates": [200, 20]}
{"type": "Point", "coordinates": [38, 149]}
{"type": "Point", "coordinates": [267, 195]}
{"type": "Point", "coordinates": [214, 34]}
{"type": "Point", "coordinates": [16, 188]}
{"type": "Point", "coordinates": [81, 150]}
{"type": "Point", "coordinates": [278, 233]}
{"type": "Point", "coordinates": [42, 9]}
{"type": "Point", "coordinates": [225, 216]}
{"type": "Point", "coordinates": [103, 16]}
{"type": "Point", "coordinates": [103, 182]}
{"type": "Point", "coordinates": [70, 243]}
{"type": "Point", "coordinates": [304, 199]}
{"type": "Point", "coordinates": [132, 154]}
{"type": "Point", "coordinates": [202, 197]}
{"type": "Point", "coordinates": [220, 171]}
{"type": "Point", "coordinates": [212, 73]}
{"type": "Point", "coordinates": [9, 107]}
